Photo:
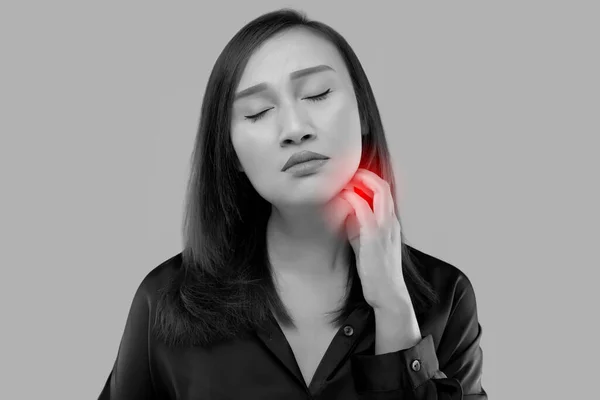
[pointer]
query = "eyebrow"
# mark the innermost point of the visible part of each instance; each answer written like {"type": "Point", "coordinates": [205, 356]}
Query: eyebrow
{"type": "Point", "coordinates": [293, 76]}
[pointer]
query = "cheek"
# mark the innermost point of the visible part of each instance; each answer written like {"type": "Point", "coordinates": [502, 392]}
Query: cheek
{"type": "Point", "coordinates": [251, 152]}
{"type": "Point", "coordinates": [247, 144]}
{"type": "Point", "coordinates": [343, 120]}
{"type": "Point", "coordinates": [344, 123]}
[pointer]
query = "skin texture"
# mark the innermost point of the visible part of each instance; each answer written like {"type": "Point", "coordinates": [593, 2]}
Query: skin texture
{"type": "Point", "coordinates": [306, 232]}
{"type": "Point", "coordinates": [315, 217]}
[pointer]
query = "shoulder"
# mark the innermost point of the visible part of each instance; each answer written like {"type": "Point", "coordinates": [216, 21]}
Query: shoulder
{"type": "Point", "coordinates": [448, 280]}
{"type": "Point", "coordinates": [159, 277]}
{"type": "Point", "coordinates": [189, 310]}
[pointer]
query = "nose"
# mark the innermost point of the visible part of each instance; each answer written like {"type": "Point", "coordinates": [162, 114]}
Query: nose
{"type": "Point", "coordinates": [294, 125]}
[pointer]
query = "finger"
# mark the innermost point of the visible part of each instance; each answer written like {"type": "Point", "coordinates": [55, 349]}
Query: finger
{"type": "Point", "coordinates": [352, 229]}
{"type": "Point", "coordinates": [382, 199]}
{"type": "Point", "coordinates": [363, 213]}
{"type": "Point", "coordinates": [362, 190]}
{"type": "Point", "coordinates": [396, 230]}
{"type": "Point", "coordinates": [336, 211]}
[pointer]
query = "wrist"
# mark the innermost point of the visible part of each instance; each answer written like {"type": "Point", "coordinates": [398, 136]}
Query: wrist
{"type": "Point", "coordinates": [399, 310]}
{"type": "Point", "coordinates": [397, 324]}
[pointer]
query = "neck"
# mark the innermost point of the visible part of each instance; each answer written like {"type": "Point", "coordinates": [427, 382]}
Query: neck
{"type": "Point", "coordinates": [304, 243]}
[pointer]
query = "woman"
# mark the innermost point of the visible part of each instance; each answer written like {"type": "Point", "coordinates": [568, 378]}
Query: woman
{"type": "Point", "coordinates": [295, 280]}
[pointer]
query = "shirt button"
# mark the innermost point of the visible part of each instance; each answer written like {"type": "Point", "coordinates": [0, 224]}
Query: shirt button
{"type": "Point", "coordinates": [416, 365]}
{"type": "Point", "coordinates": [348, 331]}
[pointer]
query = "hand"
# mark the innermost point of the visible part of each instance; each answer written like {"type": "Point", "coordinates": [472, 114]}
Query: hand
{"type": "Point", "coordinates": [374, 235]}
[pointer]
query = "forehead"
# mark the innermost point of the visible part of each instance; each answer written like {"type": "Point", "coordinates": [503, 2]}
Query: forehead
{"type": "Point", "coordinates": [287, 52]}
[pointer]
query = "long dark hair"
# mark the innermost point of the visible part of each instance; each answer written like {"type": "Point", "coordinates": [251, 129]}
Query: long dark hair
{"type": "Point", "coordinates": [223, 284]}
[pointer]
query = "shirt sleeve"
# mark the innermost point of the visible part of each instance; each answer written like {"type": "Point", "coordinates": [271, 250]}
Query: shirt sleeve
{"type": "Point", "coordinates": [130, 376]}
{"type": "Point", "coordinates": [417, 373]}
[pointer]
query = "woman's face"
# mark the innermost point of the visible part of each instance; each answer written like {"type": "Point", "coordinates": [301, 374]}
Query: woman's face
{"type": "Point", "coordinates": [316, 112]}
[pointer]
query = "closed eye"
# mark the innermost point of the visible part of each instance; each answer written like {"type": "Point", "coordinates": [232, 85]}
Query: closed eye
{"type": "Point", "coordinates": [258, 116]}
{"type": "Point", "coordinates": [319, 97]}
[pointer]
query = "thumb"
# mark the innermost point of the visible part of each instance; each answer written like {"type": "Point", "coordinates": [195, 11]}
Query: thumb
{"type": "Point", "coordinates": [352, 228]}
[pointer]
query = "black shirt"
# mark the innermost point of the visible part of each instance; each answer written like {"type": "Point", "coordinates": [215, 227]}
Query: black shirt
{"type": "Point", "coordinates": [445, 364]}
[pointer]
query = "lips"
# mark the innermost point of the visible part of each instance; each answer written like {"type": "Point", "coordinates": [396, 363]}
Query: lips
{"type": "Point", "coordinates": [303, 156]}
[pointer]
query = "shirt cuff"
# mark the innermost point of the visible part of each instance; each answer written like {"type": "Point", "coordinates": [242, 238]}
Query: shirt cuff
{"type": "Point", "coordinates": [402, 369]}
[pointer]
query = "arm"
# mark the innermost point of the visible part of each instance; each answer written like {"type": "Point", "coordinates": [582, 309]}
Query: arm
{"type": "Point", "coordinates": [455, 375]}
{"type": "Point", "coordinates": [130, 376]}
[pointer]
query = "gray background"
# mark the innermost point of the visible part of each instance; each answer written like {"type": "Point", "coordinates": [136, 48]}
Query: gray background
{"type": "Point", "coordinates": [490, 109]}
